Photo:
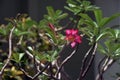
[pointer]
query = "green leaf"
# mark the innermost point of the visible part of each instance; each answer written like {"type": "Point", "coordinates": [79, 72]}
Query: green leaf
{"type": "Point", "coordinates": [72, 2]}
{"type": "Point", "coordinates": [1, 65]}
{"type": "Point", "coordinates": [86, 17]}
{"type": "Point", "coordinates": [98, 15]}
{"type": "Point", "coordinates": [17, 57]}
{"type": "Point", "coordinates": [53, 57]}
{"type": "Point", "coordinates": [21, 56]}
{"type": "Point", "coordinates": [58, 12]}
{"type": "Point", "coordinates": [108, 46]}
{"type": "Point", "coordinates": [62, 16]}
{"type": "Point", "coordinates": [17, 32]}
{"type": "Point", "coordinates": [106, 20]}
{"type": "Point", "coordinates": [50, 11]}
{"type": "Point", "coordinates": [117, 33]}
{"type": "Point", "coordinates": [3, 31]}
{"type": "Point", "coordinates": [101, 49]}
{"type": "Point", "coordinates": [101, 35]}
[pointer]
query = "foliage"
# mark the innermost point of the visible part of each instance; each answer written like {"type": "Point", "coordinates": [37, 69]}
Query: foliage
{"type": "Point", "coordinates": [34, 49]}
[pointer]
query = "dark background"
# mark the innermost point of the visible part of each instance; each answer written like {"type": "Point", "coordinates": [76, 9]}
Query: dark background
{"type": "Point", "coordinates": [37, 8]}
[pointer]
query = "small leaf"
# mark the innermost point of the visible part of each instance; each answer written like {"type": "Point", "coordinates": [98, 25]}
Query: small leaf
{"type": "Point", "coordinates": [50, 11]}
{"type": "Point", "coordinates": [53, 57]}
{"type": "Point", "coordinates": [1, 65]}
{"type": "Point", "coordinates": [17, 57]}
{"type": "Point", "coordinates": [86, 17]}
{"type": "Point", "coordinates": [101, 49]}
{"type": "Point", "coordinates": [21, 56]}
{"type": "Point", "coordinates": [62, 16]}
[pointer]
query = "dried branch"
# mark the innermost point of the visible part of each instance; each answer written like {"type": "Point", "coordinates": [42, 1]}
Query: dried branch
{"type": "Point", "coordinates": [10, 51]}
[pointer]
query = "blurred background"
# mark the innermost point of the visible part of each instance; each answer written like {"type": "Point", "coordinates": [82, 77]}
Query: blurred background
{"type": "Point", "coordinates": [37, 8]}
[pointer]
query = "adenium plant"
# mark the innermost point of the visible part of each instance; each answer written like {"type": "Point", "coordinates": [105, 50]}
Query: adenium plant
{"type": "Point", "coordinates": [33, 49]}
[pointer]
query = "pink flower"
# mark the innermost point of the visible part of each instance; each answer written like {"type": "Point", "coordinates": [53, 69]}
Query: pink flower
{"type": "Point", "coordinates": [73, 37]}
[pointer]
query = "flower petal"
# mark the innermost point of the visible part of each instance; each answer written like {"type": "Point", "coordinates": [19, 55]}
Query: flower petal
{"type": "Point", "coordinates": [78, 39]}
{"type": "Point", "coordinates": [74, 32]}
{"type": "Point", "coordinates": [73, 44]}
{"type": "Point", "coordinates": [68, 32]}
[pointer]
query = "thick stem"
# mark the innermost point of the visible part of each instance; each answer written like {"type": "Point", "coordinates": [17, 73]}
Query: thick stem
{"type": "Point", "coordinates": [100, 63]}
{"type": "Point", "coordinates": [84, 71]}
{"type": "Point", "coordinates": [105, 67]}
{"type": "Point", "coordinates": [84, 61]}
{"type": "Point", "coordinates": [99, 76]}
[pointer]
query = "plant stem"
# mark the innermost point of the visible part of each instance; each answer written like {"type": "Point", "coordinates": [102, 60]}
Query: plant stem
{"type": "Point", "coordinates": [108, 62]}
{"type": "Point", "coordinates": [10, 52]}
{"type": "Point", "coordinates": [100, 63]}
{"type": "Point", "coordinates": [37, 74]}
{"type": "Point", "coordinates": [84, 71]}
{"type": "Point", "coordinates": [61, 65]}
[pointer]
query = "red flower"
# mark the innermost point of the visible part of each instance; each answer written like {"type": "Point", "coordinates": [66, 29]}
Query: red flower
{"type": "Point", "coordinates": [73, 36]}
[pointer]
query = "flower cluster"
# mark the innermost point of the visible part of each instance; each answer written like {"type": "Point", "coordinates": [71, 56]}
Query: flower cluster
{"type": "Point", "coordinates": [73, 37]}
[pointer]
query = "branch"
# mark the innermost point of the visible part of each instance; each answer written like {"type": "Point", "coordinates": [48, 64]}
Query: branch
{"type": "Point", "coordinates": [84, 60]}
{"type": "Point", "coordinates": [10, 51]}
{"type": "Point", "coordinates": [39, 71]}
{"type": "Point", "coordinates": [84, 71]}
{"type": "Point", "coordinates": [37, 74]}
{"type": "Point", "coordinates": [61, 65]}
{"type": "Point", "coordinates": [90, 62]}
{"type": "Point", "coordinates": [25, 73]}
{"type": "Point", "coordinates": [100, 63]}
{"type": "Point", "coordinates": [108, 62]}
{"type": "Point", "coordinates": [99, 75]}
{"type": "Point", "coordinates": [118, 78]}
{"type": "Point", "coordinates": [31, 56]}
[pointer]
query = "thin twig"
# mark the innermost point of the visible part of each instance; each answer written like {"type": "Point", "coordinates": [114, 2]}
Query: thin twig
{"type": "Point", "coordinates": [25, 73]}
{"type": "Point", "coordinates": [30, 55]}
{"type": "Point", "coordinates": [40, 72]}
{"type": "Point", "coordinates": [50, 69]}
{"type": "Point", "coordinates": [10, 51]}
{"type": "Point", "coordinates": [37, 74]}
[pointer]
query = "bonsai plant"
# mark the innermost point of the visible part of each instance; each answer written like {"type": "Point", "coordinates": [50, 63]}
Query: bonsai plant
{"type": "Point", "coordinates": [33, 49]}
